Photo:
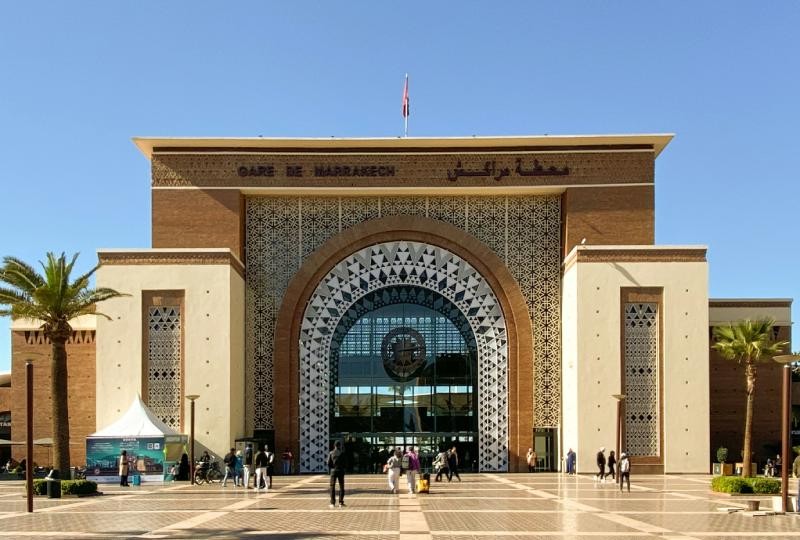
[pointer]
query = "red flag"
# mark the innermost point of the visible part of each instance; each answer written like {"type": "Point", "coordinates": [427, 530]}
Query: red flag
{"type": "Point", "coordinates": [406, 110]}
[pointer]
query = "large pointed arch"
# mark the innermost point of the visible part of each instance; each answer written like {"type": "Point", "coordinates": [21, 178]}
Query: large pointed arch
{"type": "Point", "coordinates": [289, 371]}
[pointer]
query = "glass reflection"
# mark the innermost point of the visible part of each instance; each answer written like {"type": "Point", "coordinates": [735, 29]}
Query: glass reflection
{"type": "Point", "coordinates": [403, 369]}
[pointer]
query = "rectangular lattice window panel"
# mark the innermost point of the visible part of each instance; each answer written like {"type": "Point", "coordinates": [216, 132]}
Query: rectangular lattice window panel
{"type": "Point", "coordinates": [642, 423]}
{"type": "Point", "coordinates": [164, 364]}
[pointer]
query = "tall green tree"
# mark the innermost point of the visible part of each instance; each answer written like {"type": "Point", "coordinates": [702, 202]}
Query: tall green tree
{"type": "Point", "coordinates": [52, 298]}
{"type": "Point", "coordinates": [748, 343]}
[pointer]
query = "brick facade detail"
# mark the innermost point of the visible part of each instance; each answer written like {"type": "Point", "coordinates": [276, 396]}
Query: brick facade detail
{"type": "Point", "coordinates": [31, 345]}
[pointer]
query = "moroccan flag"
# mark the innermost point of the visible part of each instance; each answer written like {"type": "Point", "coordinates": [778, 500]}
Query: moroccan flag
{"type": "Point", "coordinates": [406, 110]}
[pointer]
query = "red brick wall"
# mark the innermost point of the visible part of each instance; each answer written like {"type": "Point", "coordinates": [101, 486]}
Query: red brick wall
{"type": "Point", "coordinates": [31, 345]}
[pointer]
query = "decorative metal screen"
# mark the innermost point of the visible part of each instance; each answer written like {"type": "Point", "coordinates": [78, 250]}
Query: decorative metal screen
{"type": "Point", "coordinates": [525, 232]}
{"type": "Point", "coordinates": [164, 364]}
{"type": "Point", "coordinates": [641, 380]}
{"type": "Point", "coordinates": [396, 264]}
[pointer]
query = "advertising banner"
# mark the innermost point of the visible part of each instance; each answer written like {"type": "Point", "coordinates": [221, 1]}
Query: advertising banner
{"type": "Point", "coordinates": [145, 458]}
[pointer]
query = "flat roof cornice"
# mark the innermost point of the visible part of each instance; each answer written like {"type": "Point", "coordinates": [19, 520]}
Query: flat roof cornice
{"type": "Point", "coordinates": [655, 142]}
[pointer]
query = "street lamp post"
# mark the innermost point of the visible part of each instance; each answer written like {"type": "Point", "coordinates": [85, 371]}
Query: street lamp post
{"type": "Point", "coordinates": [29, 434]}
{"type": "Point", "coordinates": [620, 399]}
{"type": "Point", "coordinates": [786, 360]}
{"type": "Point", "coordinates": [191, 398]}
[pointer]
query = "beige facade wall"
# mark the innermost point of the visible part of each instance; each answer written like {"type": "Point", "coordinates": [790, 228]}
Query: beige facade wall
{"type": "Point", "coordinates": [213, 343]}
{"type": "Point", "coordinates": [593, 352]}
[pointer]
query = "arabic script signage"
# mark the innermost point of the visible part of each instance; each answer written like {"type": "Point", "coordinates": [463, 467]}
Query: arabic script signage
{"type": "Point", "coordinates": [491, 170]}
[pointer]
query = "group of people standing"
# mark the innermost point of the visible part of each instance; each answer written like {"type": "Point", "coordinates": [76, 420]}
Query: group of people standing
{"type": "Point", "coordinates": [611, 462]}
{"type": "Point", "coordinates": [240, 466]}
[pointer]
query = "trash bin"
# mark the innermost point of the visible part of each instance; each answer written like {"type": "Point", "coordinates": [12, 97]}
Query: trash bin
{"type": "Point", "coordinates": [72, 473]}
{"type": "Point", "coordinates": [53, 485]}
{"type": "Point", "coordinates": [136, 480]}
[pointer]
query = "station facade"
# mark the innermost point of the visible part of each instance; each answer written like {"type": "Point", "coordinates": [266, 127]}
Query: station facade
{"type": "Point", "coordinates": [489, 293]}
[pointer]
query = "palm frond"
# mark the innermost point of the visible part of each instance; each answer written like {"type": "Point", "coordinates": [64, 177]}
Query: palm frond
{"type": "Point", "coordinates": [50, 297]}
{"type": "Point", "coordinates": [19, 274]}
{"type": "Point", "coordinates": [747, 341]}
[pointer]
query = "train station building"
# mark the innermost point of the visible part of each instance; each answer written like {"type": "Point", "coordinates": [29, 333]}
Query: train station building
{"type": "Point", "coordinates": [492, 293]}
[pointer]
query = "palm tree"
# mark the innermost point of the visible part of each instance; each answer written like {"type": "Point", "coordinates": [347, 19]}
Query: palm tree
{"type": "Point", "coordinates": [53, 299]}
{"type": "Point", "coordinates": [749, 343]}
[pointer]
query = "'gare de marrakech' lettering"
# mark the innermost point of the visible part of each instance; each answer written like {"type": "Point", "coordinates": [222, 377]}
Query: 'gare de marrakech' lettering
{"type": "Point", "coordinates": [296, 171]}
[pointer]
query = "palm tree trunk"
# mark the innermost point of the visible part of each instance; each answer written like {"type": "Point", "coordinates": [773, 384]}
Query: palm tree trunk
{"type": "Point", "coordinates": [750, 374]}
{"type": "Point", "coordinates": [59, 379]}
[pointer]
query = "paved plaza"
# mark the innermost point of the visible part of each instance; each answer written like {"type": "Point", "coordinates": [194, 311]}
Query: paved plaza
{"type": "Point", "coordinates": [483, 506]}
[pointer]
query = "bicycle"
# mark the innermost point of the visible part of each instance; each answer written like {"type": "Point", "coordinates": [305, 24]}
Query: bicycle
{"type": "Point", "coordinates": [207, 473]}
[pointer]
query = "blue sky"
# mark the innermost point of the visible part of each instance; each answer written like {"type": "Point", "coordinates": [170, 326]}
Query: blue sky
{"type": "Point", "coordinates": [79, 79]}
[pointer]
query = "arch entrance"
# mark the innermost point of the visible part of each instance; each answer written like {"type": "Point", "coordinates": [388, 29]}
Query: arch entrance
{"type": "Point", "coordinates": [408, 275]}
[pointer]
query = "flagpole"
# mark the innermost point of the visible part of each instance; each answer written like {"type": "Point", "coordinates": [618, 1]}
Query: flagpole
{"type": "Point", "coordinates": [406, 108]}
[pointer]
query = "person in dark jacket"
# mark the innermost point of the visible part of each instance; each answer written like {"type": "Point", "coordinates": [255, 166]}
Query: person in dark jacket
{"type": "Point", "coordinates": [263, 460]}
{"type": "Point", "coordinates": [183, 467]}
{"type": "Point", "coordinates": [452, 465]}
{"type": "Point", "coordinates": [612, 460]}
{"type": "Point", "coordinates": [336, 468]}
{"type": "Point", "coordinates": [601, 464]}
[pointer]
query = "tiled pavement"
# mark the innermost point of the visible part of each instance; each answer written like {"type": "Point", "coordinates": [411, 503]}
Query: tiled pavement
{"type": "Point", "coordinates": [482, 507]}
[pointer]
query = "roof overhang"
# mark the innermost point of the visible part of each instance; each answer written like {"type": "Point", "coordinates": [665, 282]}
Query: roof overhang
{"type": "Point", "coordinates": [654, 142]}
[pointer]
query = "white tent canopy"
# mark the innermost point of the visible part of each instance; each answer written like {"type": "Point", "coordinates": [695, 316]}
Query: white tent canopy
{"type": "Point", "coordinates": [138, 421]}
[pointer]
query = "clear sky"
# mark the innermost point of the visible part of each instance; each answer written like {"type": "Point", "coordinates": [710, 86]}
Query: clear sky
{"type": "Point", "coordinates": [79, 79]}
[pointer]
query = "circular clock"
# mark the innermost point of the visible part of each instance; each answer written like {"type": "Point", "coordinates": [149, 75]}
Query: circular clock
{"type": "Point", "coordinates": [403, 352]}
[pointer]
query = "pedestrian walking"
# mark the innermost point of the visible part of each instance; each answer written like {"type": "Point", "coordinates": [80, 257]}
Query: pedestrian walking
{"type": "Point", "coordinates": [531, 458]}
{"type": "Point", "coordinates": [261, 463]}
{"type": "Point", "coordinates": [624, 471]}
{"type": "Point", "coordinates": [412, 470]}
{"type": "Point", "coordinates": [440, 465]}
{"type": "Point", "coordinates": [336, 468]}
{"type": "Point", "coordinates": [286, 459]}
{"type": "Point", "coordinates": [612, 460]}
{"type": "Point", "coordinates": [248, 464]}
{"type": "Point", "coordinates": [452, 465]}
{"type": "Point", "coordinates": [230, 467]}
{"type": "Point", "coordinates": [270, 465]}
{"type": "Point", "coordinates": [393, 465]}
{"type": "Point", "coordinates": [601, 464]}
{"type": "Point", "coordinates": [123, 469]}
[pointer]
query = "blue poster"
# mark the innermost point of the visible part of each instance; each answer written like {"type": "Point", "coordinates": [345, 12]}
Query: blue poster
{"type": "Point", "coordinates": [145, 458]}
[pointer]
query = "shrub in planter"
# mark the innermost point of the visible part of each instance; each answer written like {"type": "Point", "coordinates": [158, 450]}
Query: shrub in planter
{"type": "Point", "coordinates": [731, 484]}
{"type": "Point", "coordinates": [39, 486]}
{"type": "Point", "coordinates": [722, 454]}
{"type": "Point", "coordinates": [78, 487]}
{"type": "Point", "coordinates": [766, 486]}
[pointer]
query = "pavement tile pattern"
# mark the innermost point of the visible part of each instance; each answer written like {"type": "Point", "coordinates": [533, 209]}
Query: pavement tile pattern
{"type": "Point", "coordinates": [481, 507]}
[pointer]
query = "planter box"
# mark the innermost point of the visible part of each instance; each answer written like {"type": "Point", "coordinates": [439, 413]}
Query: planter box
{"type": "Point", "coordinates": [722, 469]}
{"type": "Point", "coordinates": [739, 466]}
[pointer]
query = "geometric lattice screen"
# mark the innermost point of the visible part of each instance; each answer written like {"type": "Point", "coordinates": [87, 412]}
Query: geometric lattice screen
{"type": "Point", "coordinates": [164, 364]}
{"type": "Point", "coordinates": [523, 231]}
{"type": "Point", "coordinates": [642, 427]}
{"type": "Point", "coordinates": [392, 264]}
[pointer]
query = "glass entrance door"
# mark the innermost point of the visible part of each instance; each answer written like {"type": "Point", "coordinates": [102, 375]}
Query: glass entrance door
{"type": "Point", "coordinates": [404, 372]}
